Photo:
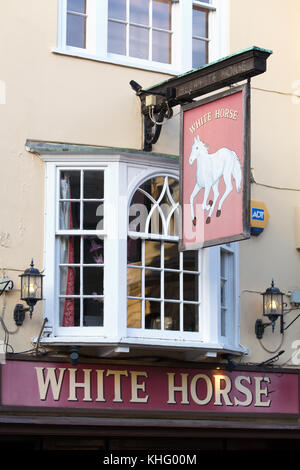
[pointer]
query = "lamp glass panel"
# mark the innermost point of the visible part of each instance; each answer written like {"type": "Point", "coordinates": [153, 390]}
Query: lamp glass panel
{"type": "Point", "coordinates": [272, 304]}
{"type": "Point", "coordinates": [31, 287]}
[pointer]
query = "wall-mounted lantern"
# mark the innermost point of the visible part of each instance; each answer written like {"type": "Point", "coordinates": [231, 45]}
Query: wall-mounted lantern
{"type": "Point", "coordinates": [272, 309]}
{"type": "Point", "coordinates": [31, 292]}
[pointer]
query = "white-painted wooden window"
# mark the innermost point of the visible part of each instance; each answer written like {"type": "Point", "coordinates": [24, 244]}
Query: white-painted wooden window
{"type": "Point", "coordinates": [163, 285]}
{"type": "Point", "coordinates": [113, 272]}
{"type": "Point", "coordinates": [80, 244]}
{"type": "Point", "coordinates": [227, 290]}
{"type": "Point", "coordinates": [164, 35]}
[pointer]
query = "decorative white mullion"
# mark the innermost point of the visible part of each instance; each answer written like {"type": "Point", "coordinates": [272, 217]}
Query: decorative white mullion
{"type": "Point", "coordinates": [81, 200]}
{"type": "Point", "coordinates": [50, 247]}
{"type": "Point", "coordinates": [143, 285]}
{"type": "Point", "coordinates": [218, 29]}
{"type": "Point", "coordinates": [127, 27]}
{"type": "Point", "coordinates": [150, 53]}
{"type": "Point", "coordinates": [81, 281]}
{"type": "Point", "coordinates": [62, 24]}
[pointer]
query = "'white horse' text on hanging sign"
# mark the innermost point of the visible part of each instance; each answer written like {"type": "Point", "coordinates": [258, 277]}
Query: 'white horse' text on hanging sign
{"type": "Point", "coordinates": [215, 169]}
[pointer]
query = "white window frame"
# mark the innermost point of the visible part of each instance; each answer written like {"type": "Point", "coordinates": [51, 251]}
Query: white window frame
{"type": "Point", "coordinates": [163, 334]}
{"type": "Point", "coordinates": [97, 25]}
{"type": "Point", "coordinates": [128, 172]}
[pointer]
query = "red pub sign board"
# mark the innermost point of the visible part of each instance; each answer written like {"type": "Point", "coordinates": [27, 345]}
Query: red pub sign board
{"type": "Point", "coordinates": [151, 388]}
{"type": "Point", "coordinates": [215, 168]}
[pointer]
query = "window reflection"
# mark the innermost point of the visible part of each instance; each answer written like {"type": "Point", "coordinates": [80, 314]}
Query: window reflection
{"type": "Point", "coordinates": [161, 11]}
{"type": "Point", "coordinates": [139, 42]}
{"type": "Point", "coordinates": [171, 321]}
{"type": "Point", "coordinates": [139, 12]}
{"type": "Point", "coordinates": [164, 283]}
{"type": "Point", "coordinates": [117, 9]}
{"type": "Point", "coordinates": [152, 315]}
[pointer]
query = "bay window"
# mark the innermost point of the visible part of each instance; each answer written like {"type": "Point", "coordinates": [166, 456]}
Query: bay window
{"type": "Point", "coordinates": [161, 35]}
{"type": "Point", "coordinates": [114, 276]}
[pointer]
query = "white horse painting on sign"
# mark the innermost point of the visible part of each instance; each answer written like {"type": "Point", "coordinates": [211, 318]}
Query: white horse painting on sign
{"type": "Point", "coordinates": [210, 168]}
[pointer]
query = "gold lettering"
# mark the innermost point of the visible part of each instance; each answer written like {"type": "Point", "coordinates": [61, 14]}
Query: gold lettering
{"type": "Point", "coordinates": [244, 390]}
{"type": "Point", "coordinates": [51, 380]}
{"type": "Point", "coordinates": [117, 383]}
{"type": "Point", "coordinates": [261, 391]}
{"type": "Point", "coordinates": [86, 385]}
{"type": "Point", "coordinates": [209, 389]}
{"type": "Point", "coordinates": [222, 392]}
{"type": "Point", "coordinates": [179, 388]}
{"type": "Point", "coordinates": [100, 385]}
{"type": "Point", "coordinates": [135, 387]}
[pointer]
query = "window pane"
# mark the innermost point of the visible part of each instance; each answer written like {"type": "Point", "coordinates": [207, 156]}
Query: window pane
{"type": "Point", "coordinates": [152, 283]}
{"type": "Point", "coordinates": [190, 260]}
{"type": "Point", "coordinates": [134, 282]}
{"type": "Point", "coordinates": [190, 317]}
{"type": "Point", "coordinates": [93, 184]}
{"type": "Point", "coordinates": [117, 9]}
{"type": "Point", "coordinates": [172, 285]}
{"type": "Point", "coordinates": [134, 251]}
{"type": "Point", "coordinates": [93, 312]}
{"type": "Point", "coordinates": [155, 225]}
{"type": "Point", "coordinates": [134, 313]}
{"type": "Point", "coordinates": [116, 38]}
{"type": "Point", "coordinates": [174, 189]}
{"type": "Point", "coordinates": [161, 11]}
{"type": "Point", "coordinates": [154, 186]}
{"type": "Point", "coordinates": [139, 42]}
{"type": "Point", "coordinates": [69, 215]}
{"type": "Point", "coordinates": [200, 53]}
{"type": "Point", "coordinates": [69, 280]}
{"type": "Point", "coordinates": [152, 315]}
{"type": "Point", "coordinates": [69, 250]}
{"type": "Point", "coordinates": [223, 292]}
{"type": "Point", "coordinates": [152, 253]}
{"type": "Point", "coordinates": [171, 256]}
{"type": "Point", "coordinates": [171, 316]}
{"type": "Point", "coordinates": [93, 215]}
{"type": "Point", "coordinates": [139, 12]}
{"type": "Point", "coordinates": [93, 281]}
{"type": "Point", "coordinates": [77, 5]}
{"type": "Point", "coordinates": [69, 312]}
{"type": "Point", "coordinates": [161, 47]}
{"type": "Point", "coordinates": [93, 250]}
{"type": "Point", "coordinates": [70, 185]}
{"type": "Point", "coordinates": [223, 321]}
{"type": "Point", "coordinates": [190, 287]}
{"type": "Point", "coordinates": [200, 22]}
{"type": "Point", "coordinates": [76, 30]}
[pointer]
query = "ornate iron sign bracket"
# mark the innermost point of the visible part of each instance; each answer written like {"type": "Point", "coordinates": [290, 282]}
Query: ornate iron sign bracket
{"type": "Point", "coordinates": [184, 88]}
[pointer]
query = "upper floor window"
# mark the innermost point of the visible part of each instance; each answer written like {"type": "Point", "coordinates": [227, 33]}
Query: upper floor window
{"type": "Point", "coordinates": [140, 29]}
{"type": "Point", "coordinates": [170, 36]}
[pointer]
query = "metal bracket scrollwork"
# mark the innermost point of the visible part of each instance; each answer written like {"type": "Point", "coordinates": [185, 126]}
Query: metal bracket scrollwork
{"type": "Point", "coordinates": [153, 122]}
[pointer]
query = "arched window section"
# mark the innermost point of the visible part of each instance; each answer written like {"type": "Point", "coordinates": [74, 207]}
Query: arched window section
{"type": "Point", "coordinates": [163, 284]}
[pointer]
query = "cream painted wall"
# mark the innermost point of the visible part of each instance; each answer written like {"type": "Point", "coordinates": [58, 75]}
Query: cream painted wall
{"type": "Point", "coordinates": [51, 97]}
{"type": "Point", "coordinates": [275, 161]}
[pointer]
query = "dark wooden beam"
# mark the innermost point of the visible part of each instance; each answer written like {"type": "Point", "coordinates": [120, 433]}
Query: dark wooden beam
{"type": "Point", "coordinates": [232, 69]}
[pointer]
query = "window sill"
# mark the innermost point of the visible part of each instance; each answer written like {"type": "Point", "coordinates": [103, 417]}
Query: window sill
{"type": "Point", "coordinates": [119, 60]}
{"type": "Point", "coordinates": [140, 343]}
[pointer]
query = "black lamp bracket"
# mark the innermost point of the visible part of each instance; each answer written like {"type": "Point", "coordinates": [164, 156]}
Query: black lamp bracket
{"type": "Point", "coordinates": [184, 88]}
{"type": "Point", "coordinates": [19, 313]}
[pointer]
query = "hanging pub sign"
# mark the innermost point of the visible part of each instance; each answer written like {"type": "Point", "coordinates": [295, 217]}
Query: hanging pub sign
{"type": "Point", "coordinates": [215, 169]}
